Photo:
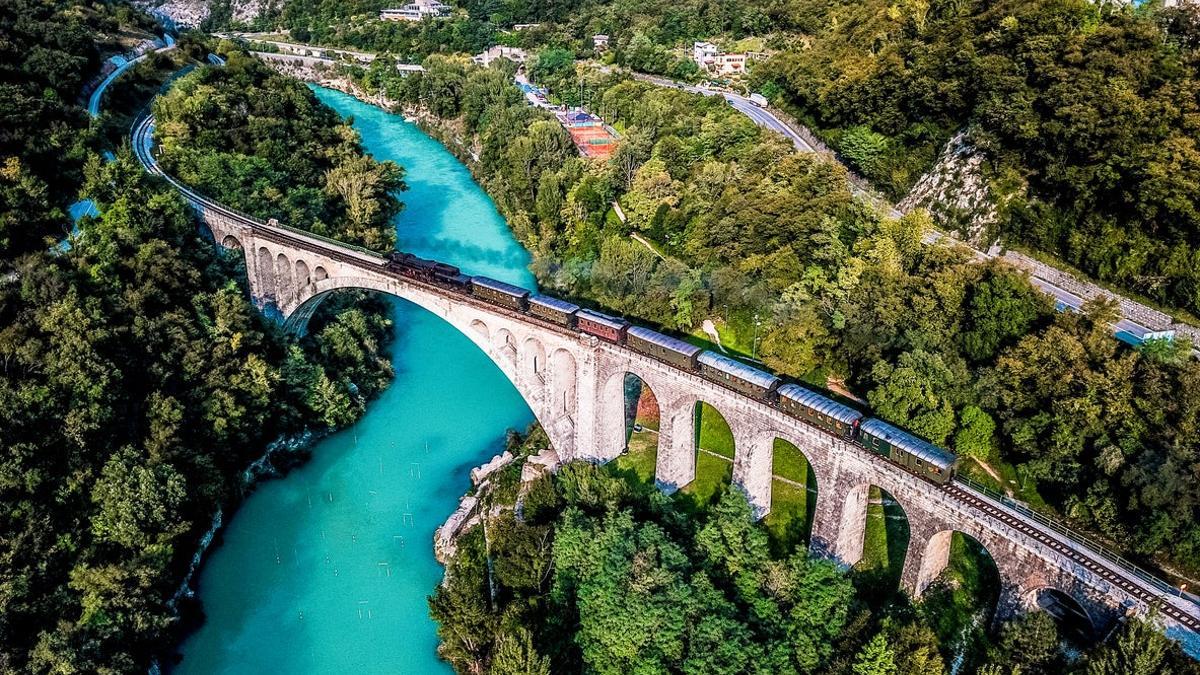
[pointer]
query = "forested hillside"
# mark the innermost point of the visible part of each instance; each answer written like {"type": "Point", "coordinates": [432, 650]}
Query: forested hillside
{"type": "Point", "coordinates": [48, 50]}
{"type": "Point", "coordinates": [261, 143]}
{"type": "Point", "coordinates": [138, 380]}
{"type": "Point", "coordinates": [1086, 112]}
{"type": "Point", "coordinates": [603, 575]}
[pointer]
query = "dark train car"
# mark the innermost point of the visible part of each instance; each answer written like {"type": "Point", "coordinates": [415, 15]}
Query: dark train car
{"type": "Point", "coordinates": [602, 326]}
{"type": "Point", "coordinates": [551, 309]}
{"type": "Point", "coordinates": [458, 281]}
{"type": "Point", "coordinates": [499, 293]}
{"type": "Point", "coordinates": [662, 347]}
{"type": "Point", "coordinates": [741, 377]}
{"type": "Point", "coordinates": [920, 457]}
{"type": "Point", "coordinates": [818, 410]}
{"type": "Point", "coordinates": [432, 271]}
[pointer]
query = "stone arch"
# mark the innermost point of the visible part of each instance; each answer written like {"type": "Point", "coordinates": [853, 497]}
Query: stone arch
{"type": "Point", "coordinates": [782, 478]}
{"type": "Point", "coordinates": [1072, 616]}
{"type": "Point", "coordinates": [555, 413]}
{"type": "Point", "coordinates": [563, 382]}
{"type": "Point", "coordinates": [285, 287]}
{"type": "Point", "coordinates": [714, 451]}
{"type": "Point", "coordinates": [265, 268]}
{"type": "Point", "coordinates": [533, 359]}
{"type": "Point", "coordinates": [860, 506]}
{"type": "Point", "coordinates": [303, 278]}
{"type": "Point", "coordinates": [506, 345]}
{"type": "Point", "coordinates": [480, 329]}
{"type": "Point", "coordinates": [319, 273]}
{"type": "Point", "coordinates": [975, 569]}
{"type": "Point", "coordinates": [232, 242]}
{"type": "Point", "coordinates": [620, 428]}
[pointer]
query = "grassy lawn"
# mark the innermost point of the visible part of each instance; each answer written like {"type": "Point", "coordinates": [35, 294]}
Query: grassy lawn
{"type": "Point", "coordinates": [641, 457]}
{"type": "Point", "coordinates": [886, 538]}
{"type": "Point", "coordinates": [736, 331]}
{"type": "Point", "coordinates": [713, 431]}
{"type": "Point", "coordinates": [713, 476]}
{"type": "Point", "coordinates": [790, 520]}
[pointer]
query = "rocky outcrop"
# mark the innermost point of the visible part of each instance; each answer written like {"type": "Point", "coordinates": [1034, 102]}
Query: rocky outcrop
{"type": "Point", "coordinates": [191, 13]}
{"type": "Point", "coordinates": [956, 193]}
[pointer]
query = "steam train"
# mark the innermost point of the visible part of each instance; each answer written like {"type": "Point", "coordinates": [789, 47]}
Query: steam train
{"type": "Point", "coordinates": [916, 456]}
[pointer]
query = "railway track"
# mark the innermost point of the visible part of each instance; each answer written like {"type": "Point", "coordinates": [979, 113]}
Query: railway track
{"type": "Point", "coordinates": [1092, 557]}
{"type": "Point", "coordinates": [1121, 579]}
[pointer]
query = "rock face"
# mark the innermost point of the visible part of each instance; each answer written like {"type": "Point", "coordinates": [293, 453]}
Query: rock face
{"type": "Point", "coordinates": [190, 13]}
{"type": "Point", "coordinates": [956, 193]}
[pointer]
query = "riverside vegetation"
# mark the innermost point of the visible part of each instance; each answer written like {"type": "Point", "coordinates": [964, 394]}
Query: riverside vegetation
{"type": "Point", "coordinates": [743, 229]}
{"type": "Point", "coordinates": [137, 379]}
{"type": "Point", "coordinates": [601, 573]}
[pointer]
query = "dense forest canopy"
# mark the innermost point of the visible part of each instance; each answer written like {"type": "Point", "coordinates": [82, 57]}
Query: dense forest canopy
{"type": "Point", "coordinates": [1086, 113]}
{"type": "Point", "coordinates": [262, 143]}
{"type": "Point", "coordinates": [138, 380]}
{"type": "Point", "coordinates": [48, 51]}
{"type": "Point", "coordinates": [603, 574]}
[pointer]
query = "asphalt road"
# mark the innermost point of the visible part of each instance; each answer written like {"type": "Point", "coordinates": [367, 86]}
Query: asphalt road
{"type": "Point", "coordinates": [93, 107]}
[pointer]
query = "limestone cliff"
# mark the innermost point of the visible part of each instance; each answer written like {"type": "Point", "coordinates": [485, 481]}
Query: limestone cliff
{"type": "Point", "coordinates": [957, 194]}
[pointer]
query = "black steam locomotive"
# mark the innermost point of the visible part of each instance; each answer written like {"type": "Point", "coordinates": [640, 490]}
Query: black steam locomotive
{"type": "Point", "coordinates": [900, 447]}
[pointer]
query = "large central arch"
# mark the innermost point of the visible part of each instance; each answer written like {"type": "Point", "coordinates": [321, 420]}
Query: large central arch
{"type": "Point", "coordinates": [538, 363]}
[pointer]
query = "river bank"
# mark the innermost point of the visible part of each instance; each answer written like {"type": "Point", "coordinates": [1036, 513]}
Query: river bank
{"type": "Point", "coordinates": [328, 570]}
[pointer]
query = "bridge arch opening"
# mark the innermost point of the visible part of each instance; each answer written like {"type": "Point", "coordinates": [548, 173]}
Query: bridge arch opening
{"type": "Point", "coordinates": [1075, 623]}
{"type": "Point", "coordinates": [873, 537]}
{"type": "Point", "coordinates": [506, 345]}
{"type": "Point", "coordinates": [555, 412]}
{"type": "Point", "coordinates": [959, 584]}
{"type": "Point", "coordinates": [713, 454]}
{"type": "Point", "coordinates": [481, 329]}
{"type": "Point", "coordinates": [533, 359]}
{"type": "Point", "coordinates": [231, 242]}
{"type": "Point", "coordinates": [631, 424]}
{"type": "Point", "coordinates": [266, 275]}
{"type": "Point", "coordinates": [319, 273]}
{"type": "Point", "coordinates": [285, 287]}
{"type": "Point", "coordinates": [793, 498]}
{"type": "Point", "coordinates": [303, 278]}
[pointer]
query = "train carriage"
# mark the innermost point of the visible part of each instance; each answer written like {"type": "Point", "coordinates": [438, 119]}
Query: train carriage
{"type": "Point", "coordinates": [554, 310]}
{"type": "Point", "coordinates": [738, 376]}
{"type": "Point", "coordinates": [662, 347]}
{"type": "Point", "coordinates": [603, 326]}
{"type": "Point", "coordinates": [818, 410]}
{"type": "Point", "coordinates": [499, 293]}
{"type": "Point", "coordinates": [920, 457]}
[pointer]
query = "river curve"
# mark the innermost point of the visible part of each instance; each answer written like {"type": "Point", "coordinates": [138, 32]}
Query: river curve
{"type": "Point", "coordinates": [328, 569]}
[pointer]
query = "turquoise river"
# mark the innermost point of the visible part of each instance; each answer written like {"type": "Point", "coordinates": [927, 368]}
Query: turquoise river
{"type": "Point", "coordinates": [328, 569]}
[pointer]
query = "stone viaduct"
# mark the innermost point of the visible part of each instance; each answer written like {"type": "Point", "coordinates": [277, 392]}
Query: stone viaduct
{"type": "Point", "coordinates": [574, 384]}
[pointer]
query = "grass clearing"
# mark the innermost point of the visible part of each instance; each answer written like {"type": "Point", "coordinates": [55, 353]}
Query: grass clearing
{"type": "Point", "coordinates": [641, 457]}
{"type": "Point", "coordinates": [885, 538]}
{"type": "Point", "coordinates": [713, 476]}
{"type": "Point", "coordinates": [713, 431]}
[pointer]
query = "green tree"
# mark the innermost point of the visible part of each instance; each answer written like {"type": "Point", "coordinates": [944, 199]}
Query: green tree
{"type": "Point", "coordinates": [876, 658]}
{"type": "Point", "coordinates": [138, 504]}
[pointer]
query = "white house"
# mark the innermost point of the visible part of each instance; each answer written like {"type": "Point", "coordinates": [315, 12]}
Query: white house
{"type": "Point", "coordinates": [515, 54]}
{"type": "Point", "coordinates": [713, 61]}
{"type": "Point", "coordinates": [415, 11]}
{"type": "Point", "coordinates": [600, 42]}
